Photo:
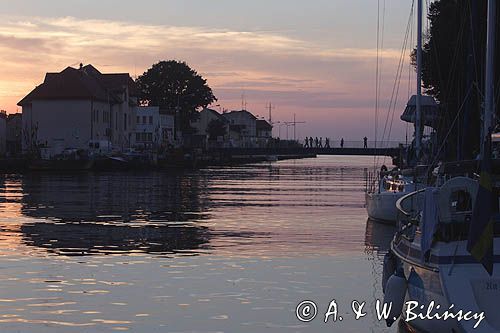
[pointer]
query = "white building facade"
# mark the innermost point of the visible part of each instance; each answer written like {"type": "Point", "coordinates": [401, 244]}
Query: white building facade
{"type": "Point", "coordinates": [167, 130]}
{"type": "Point", "coordinates": [147, 128]}
{"type": "Point", "coordinates": [243, 128]}
{"type": "Point", "coordinates": [154, 128]}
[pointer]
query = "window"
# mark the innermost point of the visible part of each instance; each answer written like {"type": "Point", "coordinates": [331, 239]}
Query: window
{"type": "Point", "coordinates": [138, 137]}
{"type": "Point", "coordinates": [461, 201]}
{"type": "Point", "coordinates": [138, 120]}
{"type": "Point", "coordinates": [151, 119]}
{"type": "Point", "coordinates": [150, 137]}
{"type": "Point", "coordinates": [143, 119]}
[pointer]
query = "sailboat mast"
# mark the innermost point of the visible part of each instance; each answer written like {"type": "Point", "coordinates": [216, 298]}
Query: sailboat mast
{"type": "Point", "coordinates": [418, 111]}
{"type": "Point", "coordinates": [489, 104]}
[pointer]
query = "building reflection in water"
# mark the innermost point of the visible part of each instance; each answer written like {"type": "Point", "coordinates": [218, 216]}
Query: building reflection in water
{"type": "Point", "coordinates": [89, 213]}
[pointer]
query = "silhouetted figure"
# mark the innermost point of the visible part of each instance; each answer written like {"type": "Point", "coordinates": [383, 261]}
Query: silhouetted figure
{"type": "Point", "coordinates": [316, 141]}
{"type": "Point", "coordinates": [311, 142]}
{"type": "Point", "coordinates": [327, 142]}
{"type": "Point", "coordinates": [306, 145]}
{"type": "Point", "coordinates": [342, 143]}
{"type": "Point", "coordinates": [320, 142]}
{"type": "Point", "coordinates": [365, 140]}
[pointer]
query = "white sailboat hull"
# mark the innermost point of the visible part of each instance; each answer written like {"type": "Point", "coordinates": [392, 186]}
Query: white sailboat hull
{"type": "Point", "coordinates": [382, 206]}
{"type": "Point", "coordinates": [458, 281]}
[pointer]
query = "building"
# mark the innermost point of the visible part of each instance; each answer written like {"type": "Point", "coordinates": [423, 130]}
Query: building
{"type": "Point", "coordinates": [14, 134]}
{"type": "Point", "coordinates": [147, 130]}
{"type": "Point", "coordinates": [264, 132]}
{"type": "Point", "coordinates": [202, 125]}
{"type": "Point", "coordinates": [75, 106]}
{"type": "Point", "coordinates": [243, 128]}
{"type": "Point", "coordinates": [154, 127]}
{"type": "Point", "coordinates": [167, 127]}
{"type": "Point", "coordinates": [3, 133]}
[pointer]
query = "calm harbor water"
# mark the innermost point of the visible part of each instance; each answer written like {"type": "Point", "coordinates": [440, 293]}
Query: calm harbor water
{"type": "Point", "coordinates": [217, 250]}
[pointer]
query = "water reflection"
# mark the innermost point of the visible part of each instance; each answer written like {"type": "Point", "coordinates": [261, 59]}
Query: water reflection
{"type": "Point", "coordinates": [87, 239]}
{"type": "Point", "coordinates": [217, 250]}
{"type": "Point", "coordinates": [90, 213]}
{"type": "Point", "coordinates": [115, 198]}
{"type": "Point", "coordinates": [378, 237]}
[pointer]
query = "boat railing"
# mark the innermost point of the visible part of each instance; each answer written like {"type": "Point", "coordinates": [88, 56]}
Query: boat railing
{"type": "Point", "coordinates": [400, 204]}
{"type": "Point", "coordinates": [371, 181]}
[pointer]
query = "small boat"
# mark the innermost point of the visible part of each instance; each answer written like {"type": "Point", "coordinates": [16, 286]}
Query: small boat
{"type": "Point", "coordinates": [68, 160]}
{"type": "Point", "coordinates": [381, 200]}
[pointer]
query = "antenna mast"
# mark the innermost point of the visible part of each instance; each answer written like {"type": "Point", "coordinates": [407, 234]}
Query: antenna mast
{"type": "Point", "coordinates": [270, 107]}
{"type": "Point", "coordinates": [294, 124]}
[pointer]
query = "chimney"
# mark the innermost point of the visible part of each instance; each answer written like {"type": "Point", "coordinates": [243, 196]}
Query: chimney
{"type": "Point", "coordinates": [81, 66]}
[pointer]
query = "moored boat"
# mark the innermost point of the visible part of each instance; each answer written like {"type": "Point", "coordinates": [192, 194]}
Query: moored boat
{"type": "Point", "coordinates": [431, 249]}
{"type": "Point", "coordinates": [381, 200]}
{"type": "Point", "coordinates": [68, 160]}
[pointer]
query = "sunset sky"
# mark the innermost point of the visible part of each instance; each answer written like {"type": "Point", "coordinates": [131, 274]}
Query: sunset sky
{"type": "Point", "coordinates": [313, 58]}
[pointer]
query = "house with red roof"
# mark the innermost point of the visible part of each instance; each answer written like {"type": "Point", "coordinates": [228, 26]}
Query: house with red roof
{"type": "Point", "coordinates": [77, 106]}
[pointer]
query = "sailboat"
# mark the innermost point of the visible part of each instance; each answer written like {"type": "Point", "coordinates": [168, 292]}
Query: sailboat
{"type": "Point", "coordinates": [380, 200]}
{"type": "Point", "coordinates": [387, 187]}
{"type": "Point", "coordinates": [445, 257]}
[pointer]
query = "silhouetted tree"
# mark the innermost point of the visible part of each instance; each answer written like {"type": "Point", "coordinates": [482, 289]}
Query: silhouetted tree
{"type": "Point", "coordinates": [174, 85]}
{"type": "Point", "coordinates": [216, 128]}
{"type": "Point", "coordinates": [453, 71]}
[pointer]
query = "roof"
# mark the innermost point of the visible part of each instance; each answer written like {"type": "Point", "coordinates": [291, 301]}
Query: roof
{"type": "Point", "coordinates": [430, 111]}
{"type": "Point", "coordinates": [245, 112]}
{"type": "Point", "coordinates": [217, 114]}
{"type": "Point", "coordinates": [263, 125]}
{"type": "Point", "coordinates": [84, 83]}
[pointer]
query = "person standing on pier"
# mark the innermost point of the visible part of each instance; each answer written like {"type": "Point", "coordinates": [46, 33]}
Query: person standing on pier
{"type": "Point", "coordinates": [321, 142]}
{"type": "Point", "coordinates": [306, 145]}
{"type": "Point", "coordinates": [365, 140]}
{"type": "Point", "coordinates": [316, 141]}
{"type": "Point", "coordinates": [327, 142]}
{"type": "Point", "coordinates": [342, 143]}
{"type": "Point", "coordinates": [311, 142]}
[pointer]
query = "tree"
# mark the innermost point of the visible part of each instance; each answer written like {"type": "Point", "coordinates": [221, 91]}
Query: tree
{"type": "Point", "coordinates": [453, 71]}
{"type": "Point", "coordinates": [174, 85]}
{"type": "Point", "coordinates": [216, 128]}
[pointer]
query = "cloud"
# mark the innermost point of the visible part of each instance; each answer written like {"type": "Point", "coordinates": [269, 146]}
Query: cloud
{"type": "Point", "coordinates": [266, 65]}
